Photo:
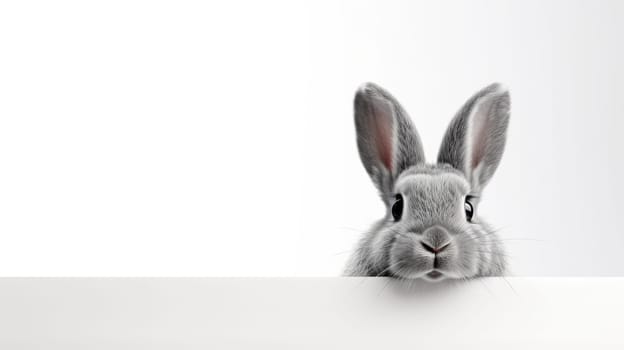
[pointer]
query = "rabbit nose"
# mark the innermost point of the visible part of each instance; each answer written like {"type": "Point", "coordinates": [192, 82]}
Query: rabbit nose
{"type": "Point", "coordinates": [432, 249]}
{"type": "Point", "coordinates": [435, 239]}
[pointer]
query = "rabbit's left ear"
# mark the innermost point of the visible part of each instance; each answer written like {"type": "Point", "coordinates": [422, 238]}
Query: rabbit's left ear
{"type": "Point", "coordinates": [475, 139]}
{"type": "Point", "coordinates": [387, 141]}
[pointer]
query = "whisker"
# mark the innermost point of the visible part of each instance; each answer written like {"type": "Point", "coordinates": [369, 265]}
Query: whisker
{"type": "Point", "coordinates": [343, 252]}
{"type": "Point", "coordinates": [389, 280]}
{"type": "Point", "coordinates": [491, 252]}
{"type": "Point", "coordinates": [522, 239]}
{"type": "Point", "coordinates": [389, 267]}
{"type": "Point", "coordinates": [485, 286]}
{"type": "Point", "coordinates": [510, 286]}
{"type": "Point", "coordinates": [351, 229]}
{"type": "Point", "coordinates": [476, 238]}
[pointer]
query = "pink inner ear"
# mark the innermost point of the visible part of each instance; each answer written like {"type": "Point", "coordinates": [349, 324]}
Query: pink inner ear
{"type": "Point", "coordinates": [479, 138]}
{"type": "Point", "coordinates": [383, 133]}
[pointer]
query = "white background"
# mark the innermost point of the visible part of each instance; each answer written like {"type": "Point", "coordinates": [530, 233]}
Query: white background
{"type": "Point", "coordinates": [216, 139]}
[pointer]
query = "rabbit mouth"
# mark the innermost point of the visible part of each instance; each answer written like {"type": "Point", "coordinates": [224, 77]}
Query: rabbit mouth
{"type": "Point", "coordinates": [434, 275]}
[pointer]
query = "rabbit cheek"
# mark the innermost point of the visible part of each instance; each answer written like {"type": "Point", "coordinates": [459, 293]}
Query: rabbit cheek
{"type": "Point", "coordinates": [467, 262]}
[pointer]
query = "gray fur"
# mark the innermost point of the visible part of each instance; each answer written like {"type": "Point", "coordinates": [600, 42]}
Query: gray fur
{"type": "Point", "coordinates": [433, 232]}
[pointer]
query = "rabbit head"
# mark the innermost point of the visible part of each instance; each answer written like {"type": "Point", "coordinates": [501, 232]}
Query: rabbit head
{"type": "Point", "coordinates": [432, 228]}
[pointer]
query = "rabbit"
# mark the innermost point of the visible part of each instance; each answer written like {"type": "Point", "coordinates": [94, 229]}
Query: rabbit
{"type": "Point", "coordinates": [431, 230]}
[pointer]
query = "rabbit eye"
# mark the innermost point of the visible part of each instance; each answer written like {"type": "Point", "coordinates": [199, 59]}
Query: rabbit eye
{"type": "Point", "coordinates": [469, 209]}
{"type": "Point", "coordinates": [397, 207]}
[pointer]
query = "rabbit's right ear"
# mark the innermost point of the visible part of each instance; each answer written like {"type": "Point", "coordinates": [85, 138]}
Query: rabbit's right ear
{"type": "Point", "coordinates": [387, 141]}
{"type": "Point", "coordinates": [475, 139]}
